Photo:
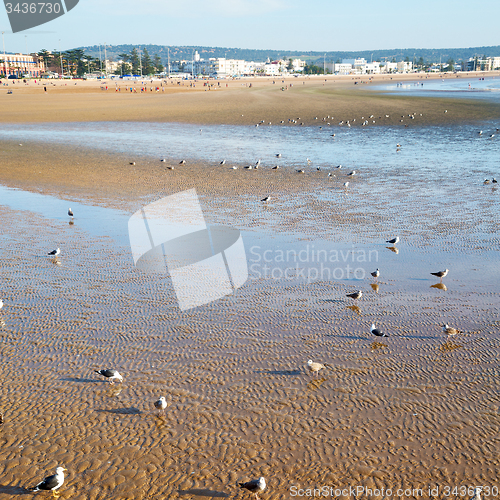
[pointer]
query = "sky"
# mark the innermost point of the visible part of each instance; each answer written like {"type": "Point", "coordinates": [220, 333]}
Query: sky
{"type": "Point", "coordinates": [311, 25]}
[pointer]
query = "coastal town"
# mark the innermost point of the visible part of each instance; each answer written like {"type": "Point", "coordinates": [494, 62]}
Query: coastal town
{"type": "Point", "coordinates": [69, 64]}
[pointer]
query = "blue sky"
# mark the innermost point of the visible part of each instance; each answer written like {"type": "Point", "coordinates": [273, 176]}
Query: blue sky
{"type": "Point", "coordinates": [320, 25]}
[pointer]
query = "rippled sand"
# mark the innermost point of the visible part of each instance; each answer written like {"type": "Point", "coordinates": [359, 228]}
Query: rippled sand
{"type": "Point", "coordinates": [412, 410]}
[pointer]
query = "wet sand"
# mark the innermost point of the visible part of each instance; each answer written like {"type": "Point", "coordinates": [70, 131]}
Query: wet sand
{"type": "Point", "coordinates": [308, 98]}
{"type": "Point", "coordinates": [413, 410]}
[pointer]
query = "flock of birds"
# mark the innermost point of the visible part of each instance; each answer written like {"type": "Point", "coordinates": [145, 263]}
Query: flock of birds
{"type": "Point", "coordinates": [54, 482]}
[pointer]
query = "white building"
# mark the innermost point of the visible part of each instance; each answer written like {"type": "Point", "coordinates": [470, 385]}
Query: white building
{"type": "Point", "coordinates": [343, 68]}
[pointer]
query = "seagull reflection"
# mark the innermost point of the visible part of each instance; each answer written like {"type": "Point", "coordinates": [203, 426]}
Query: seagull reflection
{"type": "Point", "coordinates": [393, 249]}
{"type": "Point", "coordinates": [377, 345]}
{"type": "Point", "coordinates": [115, 390]}
{"type": "Point", "coordinates": [449, 346]}
{"type": "Point", "coordinates": [355, 308]}
{"type": "Point", "coordinates": [71, 222]}
{"type": "Point", "coordinates": [375, 287]}
{"type": "Point", "coordinates": [440, 286]}
{"type": "Point", "coordinates": [315, 384]}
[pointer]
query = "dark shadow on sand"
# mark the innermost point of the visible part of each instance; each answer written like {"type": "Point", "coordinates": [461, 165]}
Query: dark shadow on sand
{"type": "Point", "coordinates": [203, 493]}
{"type": "Point", "coordinates": [82, 380]}
{"type": "Point", "coordinates": [123, 411]}
{"type": "Point", "coordinates": [280, 372]}
{"type": "Point", "coordinates": [14, 490]}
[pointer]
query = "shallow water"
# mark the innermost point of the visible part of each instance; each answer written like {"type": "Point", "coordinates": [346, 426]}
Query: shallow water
{"type": "Point", "coordinates": [487, 88]}
{"type": "Point", "coordinates": [411, 410]}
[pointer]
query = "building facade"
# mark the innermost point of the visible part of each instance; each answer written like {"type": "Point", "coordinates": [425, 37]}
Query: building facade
{"type": "Point", "coordinates": [21, 65]}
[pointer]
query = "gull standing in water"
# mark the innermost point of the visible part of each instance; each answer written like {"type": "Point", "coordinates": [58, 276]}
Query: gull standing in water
{"type": "Point", "coordinates": [52, 483]}
{"type": "Point", "coordinates": [255, 486]}
{"type": "Point", "coordinates": [267, 198]}
{"type": "Point", "coordinates": [314, 367]}
{"type": "Point", "coordinates": [377, 332]}
{"type": "Point", "coordinates": [161, 404]}
{"type": "Point", "coordinates": [450, 332]}
{"type": "Point", "coordinates": [70, 212]}
{"type": "Point", "coordinates": [356, 295]}
{"type": "Point", "coordinates": [376, 273]}
{"type": "Point", "coordinates": [441, 274]}
{"type": "Point", "coordinates": [112, 375]}
{"type": "Point", "coordinates": [394, 240]}
{"type": "Point", "coordinates": [55, 252]}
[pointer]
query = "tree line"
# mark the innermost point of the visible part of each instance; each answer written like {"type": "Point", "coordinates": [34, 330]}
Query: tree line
{"type": "Point", "coordinates": [76, 62]}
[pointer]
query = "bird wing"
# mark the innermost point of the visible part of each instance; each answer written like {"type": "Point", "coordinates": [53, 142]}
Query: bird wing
{"type": "Point", "coordinates": [49, 483]}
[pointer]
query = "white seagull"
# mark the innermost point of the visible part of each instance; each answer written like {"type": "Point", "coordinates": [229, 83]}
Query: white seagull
{"type": "Point", "coordinates": [55, 252]}
{"type": "Point", "coordinates": [377, 332]}
{"type": "Point", "coordinates": [52, 483]}
{"type": "Point", "coordinates": [70, 212]}
{"type": "Point", "coordinates": [376, 273]}
{"type": "Point", "coordinates": [161, 404]}
{"type": "Point", "coordinates": [314, 367]}
{"type": "Point", "coordinates": [267, 198]}
{"type": "Point", "coordinates": [223, 162]}
{"type": "Point", "coordinates": [477, 493]}
{"type": "Point", "coordinates": [255, 486]}
{"type": "Point", "coordinates": [112, 375]}
{"type": "Point", "coordinates": [449, 330]}
{"type": "Point", "coordinates": [356, 295]}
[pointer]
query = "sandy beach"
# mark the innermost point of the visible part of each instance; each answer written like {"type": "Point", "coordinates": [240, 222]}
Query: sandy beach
{"type": "Point", "coordinates": [409, 413]}
{"type": "Point", "coordinates": [236, 104]}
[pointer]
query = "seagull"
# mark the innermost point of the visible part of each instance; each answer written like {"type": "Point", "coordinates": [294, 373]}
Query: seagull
{"type": "Point", "coordinates": [267, 198]}
{"type": "Point", "coordinates": [163, 160]}
{"type": "Point", "coordinates": [234, 167]}
{"type": "Point", "coordinates": [480, 132]}
{"type": "Point", "coordinates": [223, 162]}
{"type": "Point", "coordinates": [111, 374]}
{"type": "Point", "coordinates": [278, 155]}
{"type": "Point", "coordinates": [394, 240]}
{"type": "Point", "coordinates": [338, 166]}
{"type": "Point", "coordinates": [318, 168]}
{"type": "Point", "coordinates": [477, 493]}
{"type": "Point", "coordinates": [346, 184]}
{"type": "Point", "coordinates": [377, 332]}
{"type": "Point", "coordinates": [494, 181]}
{"type": "Point", "coordinates": [492, 135]}
{"type": "Point", "coordinates": [257, 163]}
{"type": "Point", "coordinates": [255, 486]}
{"type": "Point", "coordinates": [132, 163]}
{"type": "Point", "coordinates": [161, 404]}
{"type": "Point", "coordinates": [449, 330]}
{"type": "Point", "coordinates": [352, 173]}
{"type": "Point", "coordinates": [376, 273]}
{"type": "Point", "coordinates": [52, 483]}
{"type": "Point", "coordinates": [356, 295]}
{"type": "Point", "coordinates": [1, 303]}
{"type": "Point", "coordinates": [441, 274]}
{"type": "Point", "coordinates": [301, 171]}
{"type": "Point", "coordinates": [276, 167]}
{"type": "Point", "coordinates": [1, 418]}
{"type": "Point", "coordinates": [182, 162]}
{"type": "Point", "coordinates": [314, 367]}
{"type": "Point", "coordinates": [70, 212]}
{"type": "Point", "coordinates": [486, 181]}
{"type": "Point", "coordinates": [329, 174]}
{"type": "Point", "coordinates": [55, 253]}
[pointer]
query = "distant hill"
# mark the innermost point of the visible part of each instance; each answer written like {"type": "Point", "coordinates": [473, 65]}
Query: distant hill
{"type": "Point", "coordinates": [185, 52]}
